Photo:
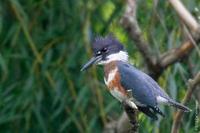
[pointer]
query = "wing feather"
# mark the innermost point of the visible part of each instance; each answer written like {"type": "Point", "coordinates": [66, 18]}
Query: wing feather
{"type": "Point", "coordinates": [136, 80]}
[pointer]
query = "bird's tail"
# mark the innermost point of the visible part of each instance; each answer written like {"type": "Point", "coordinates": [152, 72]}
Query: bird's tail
{"type": "Point", "coordinates": [180, 106]}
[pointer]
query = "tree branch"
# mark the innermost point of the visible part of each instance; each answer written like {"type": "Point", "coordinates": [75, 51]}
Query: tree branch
{"type": "Point", "coordinates": [132, 115]}
{"type": "Point", "coordinates": [192, 84]}
{"type": "Point", "coordinates": [176, 54]}
{"type": "Point", "coordinates": [129, 22]}
{"type": "Point", "coordinates": [156, 66]}
{"type": "Point", "coordinates": [185, 15]}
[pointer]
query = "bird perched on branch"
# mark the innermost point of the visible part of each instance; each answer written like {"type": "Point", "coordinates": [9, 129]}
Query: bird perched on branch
{"type": "Point", "coordinates": [125, 82]}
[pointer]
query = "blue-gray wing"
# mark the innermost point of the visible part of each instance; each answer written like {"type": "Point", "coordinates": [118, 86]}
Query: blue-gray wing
{"type": "Point", "coordinates": [144, 88]}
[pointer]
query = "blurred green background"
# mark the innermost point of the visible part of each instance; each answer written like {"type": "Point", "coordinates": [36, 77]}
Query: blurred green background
{"type": "Point", "coordinates": [44, 43]}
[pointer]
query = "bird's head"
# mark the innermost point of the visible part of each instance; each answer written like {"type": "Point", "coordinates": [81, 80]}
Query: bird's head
{"type": "Point", "coordinates": [105, 50]}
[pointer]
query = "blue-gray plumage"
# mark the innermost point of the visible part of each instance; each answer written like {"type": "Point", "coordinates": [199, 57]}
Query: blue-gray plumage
{"type": "Point", "coordinates": [122, 78]}
{"type": "Point", "coordinates": [135, 80]}
{"type": "Point", "coordinates": [144, 88]}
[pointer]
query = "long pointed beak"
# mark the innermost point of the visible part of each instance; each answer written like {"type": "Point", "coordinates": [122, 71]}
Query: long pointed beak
{"type": "Point", "coordinates": [92, 61]}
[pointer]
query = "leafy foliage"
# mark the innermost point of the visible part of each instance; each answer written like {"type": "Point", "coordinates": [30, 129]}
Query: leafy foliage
{"type": "Point", "coordinates": [43, 46]}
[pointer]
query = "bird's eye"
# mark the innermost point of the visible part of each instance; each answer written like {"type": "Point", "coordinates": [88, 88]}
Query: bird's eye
{"type": "Point", "coordinates": [98, 53]}
{"type": "Point", "coordinates": [104, 50]}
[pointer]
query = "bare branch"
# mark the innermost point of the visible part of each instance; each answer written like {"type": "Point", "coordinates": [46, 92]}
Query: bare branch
{"type": "Point", "coordinates": [185, 15]}
{"type": "Point", "coordinates": [129, 22]}
{"type": "Point", "coordinates": [132, 115]}
{"type": "Point", "coordinates": [191, 87]}
{"type": "Point", "coordinates": [156, 66]}
{"type": "Point", "coordinates": [176, 54]}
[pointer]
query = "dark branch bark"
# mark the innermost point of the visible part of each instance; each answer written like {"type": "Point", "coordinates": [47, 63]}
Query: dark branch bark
{"type": "Point", "coordinates": [132, 115]}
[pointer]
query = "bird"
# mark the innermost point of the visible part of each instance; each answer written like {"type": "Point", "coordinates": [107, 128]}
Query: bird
{"type": "Point", "coordinates": [125, 82]}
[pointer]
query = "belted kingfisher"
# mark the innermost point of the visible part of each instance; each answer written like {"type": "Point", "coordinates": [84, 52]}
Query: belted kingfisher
{"type": "Point", "coordinates": [125, 82]}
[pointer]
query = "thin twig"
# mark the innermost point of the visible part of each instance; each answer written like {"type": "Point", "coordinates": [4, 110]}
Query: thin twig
{"type": "Point", "coordinates": [190, 36]}
{"type": "Point", "coordinates": [175, 54]}
{"type": "Point", "coordinates": [192, 84]}
{"type": "Point", "coordinates": [185, 15]}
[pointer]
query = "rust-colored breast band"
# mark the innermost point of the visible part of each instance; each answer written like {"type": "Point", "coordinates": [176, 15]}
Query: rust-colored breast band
{"type": "Point", "coordinates": [115, 82]}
